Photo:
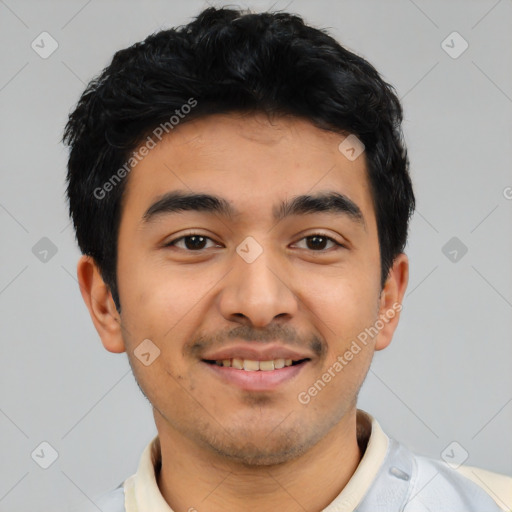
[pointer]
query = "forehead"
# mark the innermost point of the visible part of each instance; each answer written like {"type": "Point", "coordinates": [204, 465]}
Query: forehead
{"type": "Point", "coordinates": [250, 161]}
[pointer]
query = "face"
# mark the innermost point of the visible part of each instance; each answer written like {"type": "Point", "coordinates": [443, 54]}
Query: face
{"type": "Point", "coordinates": [249, 278]}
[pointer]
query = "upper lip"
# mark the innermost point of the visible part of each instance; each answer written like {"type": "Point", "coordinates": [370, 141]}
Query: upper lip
{"type": "Point", "coordinates": [260, 353]}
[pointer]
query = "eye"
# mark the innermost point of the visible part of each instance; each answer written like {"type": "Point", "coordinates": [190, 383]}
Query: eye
{"type": "Point", "coordinates": [318, 241]}
{"type": "Point", "coordinates": [193, 242]}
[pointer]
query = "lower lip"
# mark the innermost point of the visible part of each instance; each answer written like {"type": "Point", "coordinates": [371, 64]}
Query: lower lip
{"type": "Point", "coordinates": [259, 380]}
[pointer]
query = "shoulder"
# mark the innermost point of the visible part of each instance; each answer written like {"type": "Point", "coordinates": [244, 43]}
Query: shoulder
{"type": "Point", "coordinates": [466, 487]}
{"type": "Point", "coordinates": [498, 485]}
{"type": "Point", "coordinates": [110, 501]}
{"type": "Point", "coordinates": [413, 483]}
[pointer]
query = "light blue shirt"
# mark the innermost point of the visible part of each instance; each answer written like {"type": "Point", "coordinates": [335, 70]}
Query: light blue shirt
{"type": "Point", "coordinates": [389, 478]}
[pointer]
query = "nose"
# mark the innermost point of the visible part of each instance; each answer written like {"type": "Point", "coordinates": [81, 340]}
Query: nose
{"type": "Point", "coordinates": [259, 291]}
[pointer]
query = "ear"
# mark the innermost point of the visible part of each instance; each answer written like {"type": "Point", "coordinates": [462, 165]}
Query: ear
{"type": "Point", "coordinates": [391, 300]}
{"type": "Point", "coordinates": [99, 302]}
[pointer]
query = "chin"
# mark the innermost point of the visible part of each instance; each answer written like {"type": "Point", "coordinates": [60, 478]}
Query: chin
{"type": "Point", "coordinates": [263, 450]}
{"type": "Point", "coordinates": [250, 455]}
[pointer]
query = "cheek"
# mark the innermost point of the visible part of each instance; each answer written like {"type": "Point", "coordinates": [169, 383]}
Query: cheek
{"type": "Point", "coordinates": [165, 307]}
{"type": "Point", "coordinates": [157, 300]}
{"type": "Point", "coordinates": [343, 309]}
{"type": "Point", "coordinates": [344, 304]}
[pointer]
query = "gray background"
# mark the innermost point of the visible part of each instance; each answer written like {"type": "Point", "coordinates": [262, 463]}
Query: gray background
{"type": "Point", "coordinates": [446, 377]}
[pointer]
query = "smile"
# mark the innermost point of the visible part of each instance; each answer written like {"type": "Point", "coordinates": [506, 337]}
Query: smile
{"type": "Point", "coordinates": [253, 375]}
{"type": "Point", "coordinates": [251, 365]}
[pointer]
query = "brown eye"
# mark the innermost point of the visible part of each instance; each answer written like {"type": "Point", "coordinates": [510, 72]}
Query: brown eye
{"type": "Point", "coordinates": [318, 241]}
{"type": "Point", "coordinates": [192, 243]}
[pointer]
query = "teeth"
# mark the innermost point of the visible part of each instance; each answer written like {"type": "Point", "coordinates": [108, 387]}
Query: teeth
{"type": "Point", "coordinates": [238, 363]}
{"type": "Point", "coordinates": [251, 365]}
{"type": "Point", "coordinates": [266, 365]}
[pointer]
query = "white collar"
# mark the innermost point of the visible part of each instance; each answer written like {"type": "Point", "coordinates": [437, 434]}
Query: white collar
{"type": "Point", "coordinates": [142, 492]}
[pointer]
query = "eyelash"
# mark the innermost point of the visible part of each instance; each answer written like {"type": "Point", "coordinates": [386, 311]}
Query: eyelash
{"type": "Point", "coordinates": [172, 243]}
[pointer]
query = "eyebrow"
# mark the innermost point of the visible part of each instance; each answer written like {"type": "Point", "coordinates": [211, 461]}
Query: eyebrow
{"type": "Point", "coordinates": [324, 202]}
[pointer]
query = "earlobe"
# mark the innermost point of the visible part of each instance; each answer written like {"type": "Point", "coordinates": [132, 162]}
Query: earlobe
{"type": "Point", "coordinates": [99, 302]}
{"type": "Point", "coordinates": [391, 300]}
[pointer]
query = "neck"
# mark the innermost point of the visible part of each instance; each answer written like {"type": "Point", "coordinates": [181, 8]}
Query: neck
{"type": "Point", "coordinates": [195, 478]}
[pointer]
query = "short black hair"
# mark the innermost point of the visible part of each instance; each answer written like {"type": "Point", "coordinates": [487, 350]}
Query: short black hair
{"type": "Point", "coordinates": [228, 61]}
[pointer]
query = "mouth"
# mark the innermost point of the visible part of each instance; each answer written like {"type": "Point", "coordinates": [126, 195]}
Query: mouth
{"type": "Point", "coordinates": [254, 375]}
{"type": "Point", "coordinates": [251, 365]}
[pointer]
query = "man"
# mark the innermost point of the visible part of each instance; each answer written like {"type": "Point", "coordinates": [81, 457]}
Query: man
{"type": "Point", "coordinates": [240, 191]}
